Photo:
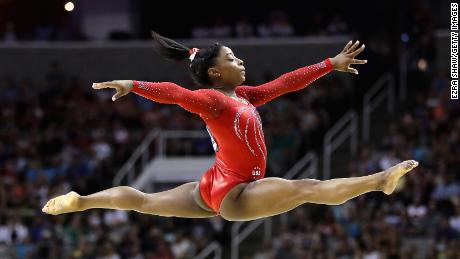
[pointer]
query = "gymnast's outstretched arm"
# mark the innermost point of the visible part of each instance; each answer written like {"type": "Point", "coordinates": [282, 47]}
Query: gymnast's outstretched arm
{"type": "Point", "coordinates": [204, 102]}
{"type": "Point", "coordinates": [302, 77]}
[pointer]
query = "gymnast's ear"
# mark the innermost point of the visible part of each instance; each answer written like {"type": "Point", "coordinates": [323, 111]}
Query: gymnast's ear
{"type": "Point", "coordinates": [213, 73]}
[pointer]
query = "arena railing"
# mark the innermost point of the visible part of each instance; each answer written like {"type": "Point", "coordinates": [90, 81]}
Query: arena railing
{"type": "Point", "coordinates": [346, 127]}
{"type": "Point", "coordinates": [214, 247]}
{"type": "Point", "coordinates": [383, 88]}
{"type": "Point", "coordinates": [169, 134]}
{"type": "Point", "coordinates": [142, 154]}
{"type": "Point", "coordinates": [404, 62]}
{"type": "Point", "coordinates": [306, 167]}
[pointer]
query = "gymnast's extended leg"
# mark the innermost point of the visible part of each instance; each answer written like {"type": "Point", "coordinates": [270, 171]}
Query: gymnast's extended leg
{"type": "Point", "coordinates": [272, 196]}
{"type": "Point", "coordinates": [178, 202]}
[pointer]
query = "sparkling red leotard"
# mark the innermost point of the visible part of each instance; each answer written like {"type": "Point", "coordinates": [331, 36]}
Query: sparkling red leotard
{"type": "Point", "coordinates": [235, 127]}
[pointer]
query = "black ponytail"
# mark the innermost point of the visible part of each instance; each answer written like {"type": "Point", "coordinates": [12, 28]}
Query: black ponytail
{"type": "Point", "coordinates": [204, 58]}
{"type": "Point", "coordinates": [170, 49]}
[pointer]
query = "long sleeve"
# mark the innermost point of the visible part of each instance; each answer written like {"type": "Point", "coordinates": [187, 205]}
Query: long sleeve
{"type": "Point", "coordinates": [289, 82]}
{"type": "Point", "coordinates": [204, 102]}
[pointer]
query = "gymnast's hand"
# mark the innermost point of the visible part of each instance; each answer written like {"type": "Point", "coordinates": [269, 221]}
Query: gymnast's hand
{"type": "Point", "coordinates": [344, 59]}
{"type": "Point", "coordinates": [123, 87]}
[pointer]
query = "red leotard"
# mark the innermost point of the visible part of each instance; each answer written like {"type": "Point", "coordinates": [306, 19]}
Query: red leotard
{"type": "Point", "coordinates": [235, 127]}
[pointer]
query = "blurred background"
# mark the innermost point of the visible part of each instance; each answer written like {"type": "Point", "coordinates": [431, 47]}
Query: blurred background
{"type": "Point", "coordinates": [57, 134]}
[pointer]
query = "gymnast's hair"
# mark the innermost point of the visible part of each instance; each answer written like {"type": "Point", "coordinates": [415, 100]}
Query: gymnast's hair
{"type": "Point", "coordinates": [201, 62]}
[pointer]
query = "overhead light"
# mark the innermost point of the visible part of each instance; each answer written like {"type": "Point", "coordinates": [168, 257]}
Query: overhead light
{"type": "Point", "coordinates": [69, 6]}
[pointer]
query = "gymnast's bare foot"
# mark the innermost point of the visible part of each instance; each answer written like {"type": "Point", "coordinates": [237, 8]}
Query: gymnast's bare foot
{"type": "Point", "coordinates": [69, 202]}
{"type": "Point", "coordinates": [393, 174]}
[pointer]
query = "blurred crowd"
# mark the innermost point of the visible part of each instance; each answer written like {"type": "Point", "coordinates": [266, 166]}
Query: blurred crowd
{"type": "Point", "coordinates": [276, 24]}
{"type": "Point", "coordinates": [18, 22]}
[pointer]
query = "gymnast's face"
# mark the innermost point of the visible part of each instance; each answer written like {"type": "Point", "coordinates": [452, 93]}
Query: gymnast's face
{"type": "Point", "coordinates": [228, 69]}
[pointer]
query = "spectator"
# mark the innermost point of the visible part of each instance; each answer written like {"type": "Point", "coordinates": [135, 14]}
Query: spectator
{"type": "Point", "coordinates": [221, 29]}
{"type": "Point", "coordinates": [243, 28]}
{"type": "Point", "coordinates": [280, 25]}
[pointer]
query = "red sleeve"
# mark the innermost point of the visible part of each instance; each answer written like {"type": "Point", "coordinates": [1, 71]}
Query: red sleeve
{"type": "Point", "coordinates": [289, 82]}
{"type": "Point", "coordinates": [203, 101]}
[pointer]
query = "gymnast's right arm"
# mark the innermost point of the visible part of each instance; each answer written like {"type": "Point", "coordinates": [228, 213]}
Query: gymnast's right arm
{"type": "Point", "coordinates": [203, 101]}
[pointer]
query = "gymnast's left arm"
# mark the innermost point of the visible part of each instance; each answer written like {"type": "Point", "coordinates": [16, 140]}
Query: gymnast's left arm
{"type": "Point", "coordinates": [302, 77]}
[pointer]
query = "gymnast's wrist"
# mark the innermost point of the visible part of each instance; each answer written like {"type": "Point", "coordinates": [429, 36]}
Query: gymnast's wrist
{"type": "Point", "coordinates": [331, 63]}
{"type": "Point", "coordinates": [134, 85]}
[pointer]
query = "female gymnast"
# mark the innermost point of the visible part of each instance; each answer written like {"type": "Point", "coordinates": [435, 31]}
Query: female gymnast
{"type": "Point", "coordinates": [234, 187]}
